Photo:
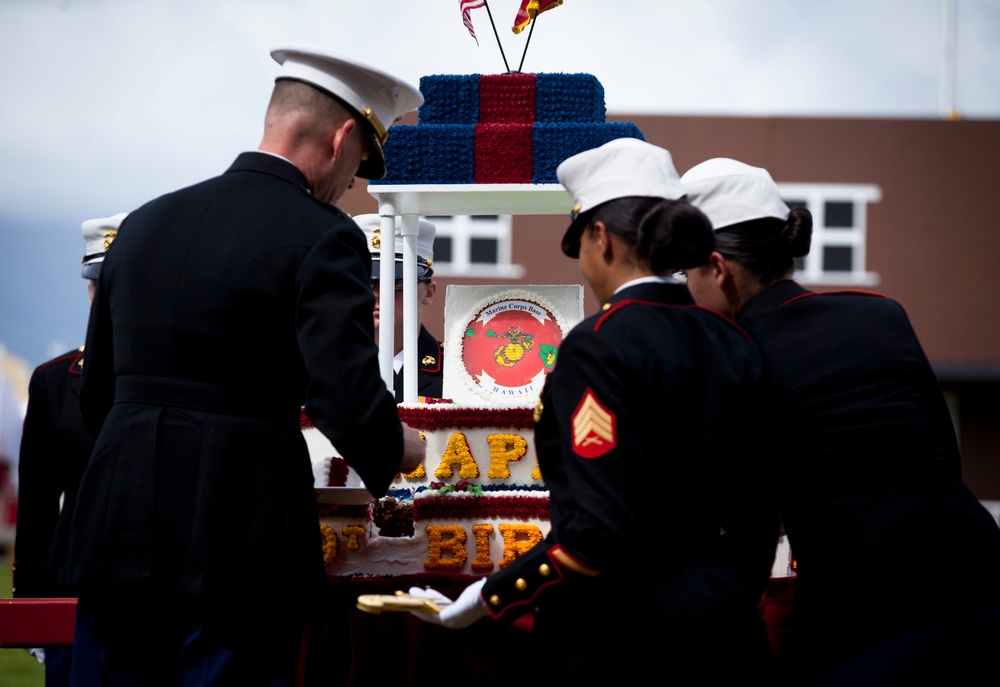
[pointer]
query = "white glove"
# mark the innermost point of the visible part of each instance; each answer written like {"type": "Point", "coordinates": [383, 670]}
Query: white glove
{"type": "Point", "coordinates": [465, 610]}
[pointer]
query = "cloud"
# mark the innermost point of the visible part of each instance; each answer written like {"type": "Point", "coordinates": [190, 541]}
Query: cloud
{"type": "Point", "coordinates": [108, 103]}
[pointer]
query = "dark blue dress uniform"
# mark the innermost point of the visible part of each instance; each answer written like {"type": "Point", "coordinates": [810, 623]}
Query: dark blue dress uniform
{"type": "Point", "coordinates": [221, 309]}
{"type": "Point", "coordinates": [55, 448]}
{"type": "Point", "coordinates": [430, 358]}
{"type": "Point", "coordinates": [888, 539]}
{"type": "Point", "coordinates": [662, 539]}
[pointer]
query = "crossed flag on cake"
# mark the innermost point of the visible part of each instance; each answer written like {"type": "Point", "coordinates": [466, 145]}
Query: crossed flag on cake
{"type": "Point", "coordinates": [509, 128]}
{"type": "Point", "coordinates": [529, 10]}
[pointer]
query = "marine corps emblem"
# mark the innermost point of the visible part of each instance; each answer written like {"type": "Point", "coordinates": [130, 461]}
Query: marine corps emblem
{"type": "Point", "coordinates": [509, 347]}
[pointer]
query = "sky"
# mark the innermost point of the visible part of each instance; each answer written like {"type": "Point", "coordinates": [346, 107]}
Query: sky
{"type": "Point", "coordinates": [105, 104]}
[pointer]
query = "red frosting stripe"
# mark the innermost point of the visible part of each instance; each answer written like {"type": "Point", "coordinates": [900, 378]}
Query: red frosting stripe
{"type": "Point", "coordinates": [503, 136]}
{"type": "Point", "coordinates": [454, 507]}
{"type": "Point", "coordinates": [459, 417]}
{"type": "Point", "coordinates": [507, 99]}
{"type": "Point", "coordinates": [503, 154]}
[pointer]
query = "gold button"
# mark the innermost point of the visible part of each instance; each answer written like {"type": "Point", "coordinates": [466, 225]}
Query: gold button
{"type": "Point", "coordinates": [605, 306]}
{"type": "Point", "coordinates": [521, 584]}
{"type": "Point", "coordinates": [544, 570]}
{"type": "Point", "coordinates": [495, 600]}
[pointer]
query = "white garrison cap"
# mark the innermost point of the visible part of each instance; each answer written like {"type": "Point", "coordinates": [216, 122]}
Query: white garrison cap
{"type": "Point", "coordinates": [98, 233]}
{"type": "Point", "coordinates": [618, 169]}
{"type": "Point", "coordinates": [731, 192]}
{"type": "Point", "coordinates": [372, 226]}
{"type": "Point", "coordinates": [378, 98]}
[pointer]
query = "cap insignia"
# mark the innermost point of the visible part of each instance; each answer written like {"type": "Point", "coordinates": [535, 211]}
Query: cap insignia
{"type": "Point", "coordinates": [108, 238]}
{"type": "Point", "coordinates": [377, 238]}
{"type": "Point", "coordinates": [381, 135]}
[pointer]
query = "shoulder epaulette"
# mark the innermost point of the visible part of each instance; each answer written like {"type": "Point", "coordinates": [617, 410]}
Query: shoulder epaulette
{"type": "Point", "coordinates": [620, 305]}
{"type": "Point", "coordinates": [69, 357]}
{"type": "Point", "coordinates": [430, 363]}
{"type": "Point", "coordinates": [843, 292]}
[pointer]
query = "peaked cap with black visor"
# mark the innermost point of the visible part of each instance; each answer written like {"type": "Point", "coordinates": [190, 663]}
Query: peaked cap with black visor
{"type": "Point", "coordinates": [377, 98]}
{"type": "Point", "coordinates": [621, 168]}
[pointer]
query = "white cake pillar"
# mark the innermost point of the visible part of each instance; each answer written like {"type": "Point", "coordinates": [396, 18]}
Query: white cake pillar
{"type": "Point", "coordinates": [443, 199]}
{"type": "Point", "coordinates": [387, 290]}
{"type": "Point", "coordinates": [410, 228]}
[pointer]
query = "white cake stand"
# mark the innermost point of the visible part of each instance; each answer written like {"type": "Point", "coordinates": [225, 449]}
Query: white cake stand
{"type": "Point", "coordinates": [409, 202]}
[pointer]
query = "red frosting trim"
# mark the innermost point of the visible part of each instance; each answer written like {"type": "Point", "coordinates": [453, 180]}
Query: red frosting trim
{"type": "Point", "coordinates": [444, 416]}
{"type": "Point", "coordinates": [456, 507]}
{"type": "Point", "coordinates": [447, 417]}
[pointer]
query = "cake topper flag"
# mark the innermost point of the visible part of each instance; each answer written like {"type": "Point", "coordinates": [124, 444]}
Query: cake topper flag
{"type": "Point", "coordinates": [526, 14]}
{"type": "Point", "coordinates": [467, 7]}
{"type": "Point", "coordinates": [529, 10]}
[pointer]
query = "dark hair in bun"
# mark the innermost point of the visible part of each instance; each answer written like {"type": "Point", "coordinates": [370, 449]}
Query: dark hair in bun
{"type": "Point", "coordinates": [668, 235]}
{"type": "Point", "coordinates": [768, 247]}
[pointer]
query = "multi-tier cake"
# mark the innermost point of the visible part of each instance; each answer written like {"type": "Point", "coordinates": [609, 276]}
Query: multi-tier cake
{"type": "Point", "coordinates": [479, 500]}
{"type": "Point", "coordinates": [499, 129]}
{"type": "Point", "coordinates": [477, 503]}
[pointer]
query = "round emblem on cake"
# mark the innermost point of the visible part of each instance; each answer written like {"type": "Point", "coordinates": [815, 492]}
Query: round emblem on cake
{"type": "Point", "coordinates": [509, 346]}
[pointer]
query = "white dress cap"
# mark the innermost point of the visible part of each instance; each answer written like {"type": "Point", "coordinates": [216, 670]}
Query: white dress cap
{"type": "Point", "coordinates": [618, 169]}
{"type": "Point", "coordinates": [98, 233]}
{"type": "Point", "coordinates": [377, 97]}
{"type": "Point", "coordinates": [731, 192]}
{"type": "Point", "coordinates": [372, 226]}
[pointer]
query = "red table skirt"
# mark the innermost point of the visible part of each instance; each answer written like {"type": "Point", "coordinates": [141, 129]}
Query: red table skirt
{"type": "Point", "coordinates": [28, 623]}
{"type": "Point", "coordinates": [397, 648]}
{"type": "Point", "coordinates": [392, 648]}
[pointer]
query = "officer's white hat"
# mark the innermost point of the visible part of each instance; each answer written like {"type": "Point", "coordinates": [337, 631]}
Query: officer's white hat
{"type": "Point", "coordinates": [372, 226]}
{"type": "Point", "coordinates": [731, 192]}
{"type": "Point", "coordinates": [379, 99]}
{"type": "Point", "coordinates": [98, 233]}
{"type": "Point", "coordinates": [621, 168]}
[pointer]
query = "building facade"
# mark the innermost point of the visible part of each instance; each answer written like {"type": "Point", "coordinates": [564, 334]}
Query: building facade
{"type": "Point", "coordinates": [908, 208]}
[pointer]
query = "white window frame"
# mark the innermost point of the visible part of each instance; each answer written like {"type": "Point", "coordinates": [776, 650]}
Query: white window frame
{"type": "Point", "coordinates": [815, 197]}
{"type": "Point", "coordinates": [461, 229]}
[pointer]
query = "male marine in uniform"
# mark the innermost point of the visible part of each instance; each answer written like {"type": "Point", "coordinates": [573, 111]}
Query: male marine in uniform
{"type": "Point", "coordinates": [55, 448]}
{"type": "Point", "coordinates": [222, 309]}
{"type": "Point", "coordinates": [429, 353]}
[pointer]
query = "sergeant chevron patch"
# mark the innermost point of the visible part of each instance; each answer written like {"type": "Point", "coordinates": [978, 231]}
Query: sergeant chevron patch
{"type": "Point", "coordinates": [593, 427]}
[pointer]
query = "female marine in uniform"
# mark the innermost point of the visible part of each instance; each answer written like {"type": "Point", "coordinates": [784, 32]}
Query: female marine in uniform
{"type": "Point", "coordinates": [660, 544]}
{"type": "Point", "coordinates": [898, 562]}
